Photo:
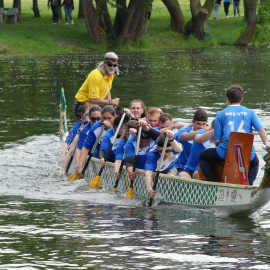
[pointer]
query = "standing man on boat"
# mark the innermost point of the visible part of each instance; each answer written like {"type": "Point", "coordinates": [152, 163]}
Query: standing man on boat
{"type": "Point", "coordinates": [97, 87]}
{"type": "Point", "coordinates": [233, 118]}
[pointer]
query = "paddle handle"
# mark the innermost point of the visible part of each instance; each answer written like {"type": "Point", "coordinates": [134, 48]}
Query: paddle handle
{"type": "Point", "coordinates": [69, 163]}
{"type": "Point", "coordinates": [87, 162]}
{"type": "Point", "coordinates": [135, 162]}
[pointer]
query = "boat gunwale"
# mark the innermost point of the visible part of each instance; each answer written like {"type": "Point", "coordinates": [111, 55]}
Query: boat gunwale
{"type": "Point", "coordinates": [177, 178]}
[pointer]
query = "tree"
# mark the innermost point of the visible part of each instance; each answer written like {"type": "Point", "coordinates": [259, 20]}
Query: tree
{"type": "Point", "coordinates": [252, 19]}
{"type": "Point", "coordinates": [80, 11]}
{"type": "Point", "coordinates": [2, 3]}
{"type": "Point", "coordinates": [36, 9]}
{"type": "Point", "coordinates": [17, 4]}
{"type": "Point", "coordinates": [129, 23]}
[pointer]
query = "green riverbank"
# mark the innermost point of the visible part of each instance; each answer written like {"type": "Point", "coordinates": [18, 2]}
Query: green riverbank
{"type": "Point", "coordinates": [40, 36]}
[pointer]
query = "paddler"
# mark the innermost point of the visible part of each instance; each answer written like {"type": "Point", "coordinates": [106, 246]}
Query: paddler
{"type": "Point", "coordinates": [97, 87]}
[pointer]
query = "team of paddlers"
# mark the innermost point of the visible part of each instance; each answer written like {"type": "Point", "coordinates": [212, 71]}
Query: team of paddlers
{"type": "Point", "coordinates": [112, 133]}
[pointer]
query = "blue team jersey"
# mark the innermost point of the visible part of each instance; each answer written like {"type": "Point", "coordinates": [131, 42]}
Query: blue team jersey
{"type": "Point", "coordinates": [234, 118]}
{"type": "Point", "coordinates": [83, 134]}
{"type": "Point", "coordinates": [153, 159]}
{"type": "Point", "coordinates": [92, 137]}
{"type": "Point", "coordinates": [157, 128]}
{"type": "Point", "coordinates": [120, 149]}
{"type": "Point", "coordinates": [142, 154]}
{"type": "Point", "coordinates": [72, 133]}
{"type": "Point", "coordinates": [183, 158]}
{"type": "Point", "coordinates": [107, 140]}
{"type": "Point", "coordinates": [196, 149]}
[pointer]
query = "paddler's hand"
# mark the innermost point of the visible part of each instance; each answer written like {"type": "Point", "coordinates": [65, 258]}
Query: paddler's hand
{"type": "Point", "coordinates": [128, 112]}
{"type": "Point", "coordinates": [118, 175]}
{"type": "Point", "coordinates": [266, 147]}
{"type": "Point", "coordinates": [169, 134]}
{"type": "Point", "coordinates": [78, 170]}
{"type": "Point", "coordinates": [142, 123]}
{"type": "Point", "coordinates": [132, 131]}
{"type": "Point", "coordinates": [107, 124]}
{"type": "Point", "coordinates": [177, 125]}
{"type": "Point", "coordinates": [103, 163]}
{"type": "Point", "coordinates": [132, 175]}
{"type": "Point", "coordinates": [152, 193]}
{"type": "Point", "coordinates": [115, 102]}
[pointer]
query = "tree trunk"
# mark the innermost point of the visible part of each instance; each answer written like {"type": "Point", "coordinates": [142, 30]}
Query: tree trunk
{"type": "Point", "coordinates": [2, 3]}
{"type": "Point", "coordinates": [244, 39]}
{"type": "Point", "coordinates": [196, 23]}
{"type": "Point", "coordinates": [139, 15]}
{"type": "Point", "coordinates": [17, 4]}
{"type": "Point", "coordinates": [109, 29]}
{"type": "Point", "coordinates": [91, 21]}
{"type": "Point", "coordinates": [80, 12]}
{"type": "Point", "coordinates": [177, 18]}
{"type": "Point", "coordinates": [35, 9]}
{"type": "Point", "coordinates": [120, 16]}
{"type": "Point", "coordinates": [133, 4]}
{"type": "Point", "coordinates": [246, 8]}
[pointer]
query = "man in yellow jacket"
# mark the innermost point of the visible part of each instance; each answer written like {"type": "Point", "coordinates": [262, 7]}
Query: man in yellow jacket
{"type": "Point", "coordinates": [97, 87]}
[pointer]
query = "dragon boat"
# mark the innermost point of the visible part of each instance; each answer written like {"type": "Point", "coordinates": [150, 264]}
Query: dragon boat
{"type": "Point", "coordinates": [227, 196]}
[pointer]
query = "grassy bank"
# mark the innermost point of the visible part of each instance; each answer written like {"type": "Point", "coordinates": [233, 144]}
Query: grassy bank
{"type": "Point", "coordinates": [39, 35]}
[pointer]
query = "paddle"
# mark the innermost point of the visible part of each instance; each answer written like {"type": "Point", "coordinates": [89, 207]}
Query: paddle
{"type": "Point", "coordinates": [75, 176]}
{"type": "Point", "coordinates": [130, 193]}
{"type": "Point", "coordinates": [120, 170]}
{"type": "Point", "coordinates": [158, 170]}
{"type": "Point", "coordinates": [96, 181]}
{"type": "Point", "coordinates": [71, 158]}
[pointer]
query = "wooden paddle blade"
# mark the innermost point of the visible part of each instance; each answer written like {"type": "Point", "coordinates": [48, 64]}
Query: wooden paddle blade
{"type": "Point", "coordinates": [130, 194]}
{"type": "Point", "coordinates": [74, 176]}
{"type": "Point", "coordinates": [95, 183]}
{"type": "Point", "coordinates": [126, 183]}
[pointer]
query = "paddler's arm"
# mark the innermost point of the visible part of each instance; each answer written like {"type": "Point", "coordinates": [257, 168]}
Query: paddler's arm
{"type": "Point", "coordinates": [117, 165]}
{"type": "Point", "coordinates": [77, 155]}
{"type": "Point", "coordinates": [201, 138]}
{"type": "Point", "coordinates": [106, 101]}
{"type": "Point", "coordinates": [217, 142]}
{"type": "Point", "coordinates": [263, 135]}
{"type": "Point", "coordinates": [188, 136]}
{"type": "Point", "coordinates": [148, 182]}
{"type": "Point", "coordinates": [176, 146]}
{"type": "Point", "coordinates": [83, 155]}
{"type": "Point", "coordinates": [69, 153]}
{"type": "Point", "coordinates": [102, 155]}
{"type": "Point", "coordinates": [129, 165]}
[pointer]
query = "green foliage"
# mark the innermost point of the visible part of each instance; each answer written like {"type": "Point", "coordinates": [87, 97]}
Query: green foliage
{"type": "Point", "coordinates": [263, 22]}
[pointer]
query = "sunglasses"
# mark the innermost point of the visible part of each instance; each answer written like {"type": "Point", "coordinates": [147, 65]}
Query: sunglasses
{"type": "Point", "coordinates": [166, 151]}
{"type": "Point", "coordinates": [94, 119]}
{"type": "Point", "coordinates": [111, 62]}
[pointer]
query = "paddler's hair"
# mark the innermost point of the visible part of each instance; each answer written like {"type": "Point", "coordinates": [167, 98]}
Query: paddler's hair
{"type": "Point", "coordinates": [108, 109]}
{"type": "Point", "coordinates": [118, 119]}
{"type": "Point", "coordinates": [161, 141]}
{"type": "Point", "coordinates": [95, 108]}
{"type": "Point", "coordinates": [142, 105]}
{"type": "Point", "coordinates": [85, 108]}
{"type": "Point", "coordinates": [235, 93]}
{"type": "Point", "coordinates": [153, 111]}
{"type": "Point", "coordinates": [164, 118]}
{"type": "Point", "coordinates": [101, 66]}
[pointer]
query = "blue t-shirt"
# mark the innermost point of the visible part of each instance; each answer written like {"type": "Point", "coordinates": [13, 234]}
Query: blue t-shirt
{"type": "Point", "coordinates": [196, 149]}
{"type": "Point", "coordinates": [83, 134]}
{"type": "Point", "coordinates": [183, 158]}
{"type": "Point", "coordinates": [234, 118]}
{"type": "Point", "coordinates": [120, 149]}
{"type": "Point", "coordinates": [107, 140]}
{"type": "Point", "coordinates": [153, 159]}
{"type": "Point", "coordinates": [72, 133]}
{"type": "Point", "coordinates": [92, 137]}
{"type": "Point", "coordinates": [142, 153]}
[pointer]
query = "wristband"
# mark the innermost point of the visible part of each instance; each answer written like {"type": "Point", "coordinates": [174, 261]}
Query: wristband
{"type": "Point", "coordinates": [171, 140]}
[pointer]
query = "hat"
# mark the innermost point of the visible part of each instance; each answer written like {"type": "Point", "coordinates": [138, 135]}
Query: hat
{"type": "Point", "coordinates": [145, 135]}
{"type": "Point", "coordinates": [200, 115]}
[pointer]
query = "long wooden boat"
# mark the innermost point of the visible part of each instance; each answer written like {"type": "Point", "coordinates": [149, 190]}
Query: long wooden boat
{"type": "Point", "coordinates": [228, 198]}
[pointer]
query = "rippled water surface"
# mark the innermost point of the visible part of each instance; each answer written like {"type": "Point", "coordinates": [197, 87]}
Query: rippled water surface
{"type": "Point", "coordinates": [49, 223]}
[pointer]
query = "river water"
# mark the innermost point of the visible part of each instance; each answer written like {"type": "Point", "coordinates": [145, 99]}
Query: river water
{"type": "Point", "coordinates": [49, 223]}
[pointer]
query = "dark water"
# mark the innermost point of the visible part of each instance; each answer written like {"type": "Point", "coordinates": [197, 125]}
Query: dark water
{"type": "Point", "coordinates": [49, 223]}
